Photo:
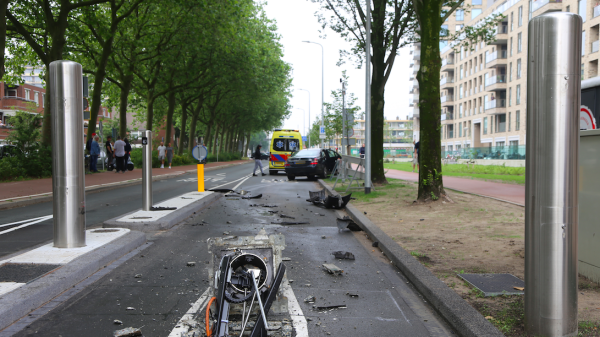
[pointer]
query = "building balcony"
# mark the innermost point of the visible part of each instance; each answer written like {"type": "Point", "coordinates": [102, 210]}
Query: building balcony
{"type": "Point", "coordinates": [411, 78]}
{"type": "Point", "coordinates": [415, 83]}
{"type": "Point", "coordinates": [495, 107]}
{"type": "Point", "coordinates": [447, 100]}
{"type": "Point", "coordinates": [447, 64]}
{"type": "Point", "coordinates": [543, 6]}
{"type": "Point", "coordinates": [595, 46]}
{"type": "Point", "coordinates": [447, 82]}
{"type": "Point", "coordinates": [597, 11]}
{"type": "Point", "coordinates": [501, 35]}
{"type": "Point", "coordinates": [497, 58]}
{"type": "Point", "coordinates": [447, 117]}
{"type": "Point", "coordinates": [415, 98]}
{"type": "Point", "coordinates": [495, 83]}
{"type": "Point", "coordinates": [416, 69]}
{"type": "Point", "coordinates": [416, 112]}
{"type": "Point", "coordinates": [417, 55]}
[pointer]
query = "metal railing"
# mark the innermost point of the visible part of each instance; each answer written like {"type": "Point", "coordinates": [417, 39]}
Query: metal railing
{"type": "Point", "coordinates": [498, 54]}
{"type": "Point", "coordinates": [495, 103]}
{"type": "Point", "coordinates": [501, 30]}
{"type": "Point", "coordinates": [447, 98]}
{"type": "Point", "coordinates": [506, 152]}
{"type": "Point", "coordinates": [447, 61]}
{"type": "Point", "coordinates": [541, 3]}
{"type": "Point", "coordinates": [447, 117]}
{"type": "Point", "coordinates": [495, 79]}
{"type": "Point", "coordinates": [446, 80]}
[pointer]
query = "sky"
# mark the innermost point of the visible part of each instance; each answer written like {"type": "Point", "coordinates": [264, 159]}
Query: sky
{"type": "Point", "coordinates": [296, 22]}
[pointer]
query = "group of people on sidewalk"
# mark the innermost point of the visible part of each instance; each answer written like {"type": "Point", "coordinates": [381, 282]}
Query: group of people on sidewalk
{"type": "Point", "coordinates": [165, 152]}
{"type": "Point", "coordinates": [118, 151]}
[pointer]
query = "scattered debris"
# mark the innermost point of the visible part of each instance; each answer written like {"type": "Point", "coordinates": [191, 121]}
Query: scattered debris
{"type": "Point", "coordinates": [320, 198]}
{"type": "Point", "coordinates": [229, 222]}
{"type": "Point", "coordinates": [262, 205]}
{"type": "Point", "coordinates": [316, 196]}
{"type": "Point", "coordinates": [519, 288]}
{"type": "Point", "coordinates": [352, 295]}
{"type": "Point", "coordinates": [310, 299]}
{"type": "Point", "coordinates": [157, 208]}
{"type": "Point", "coordinates": [138, 276]}
{"type": "Point", "coordinates": [258, 196]}
{"type": "Point", "coordinates": [320, 214]}
{"type": "Point", "coordinates": [222, 190]}
{"type": "Point", "coordinates": [116, 321]}
{"type": "Point", "coordinates": [128, 332]}
{"type": "Point", "coordinates": [225, 233]}
{"type": "Point", "coordinates": [347, 223]}
{"type": "Point", "coordinates": [343, 255]}
{"type": "Point", "coordinates": [285, 223]}
{"type": "Point", "coordinates": [365, 213]}
{"type": "Point", "coordinates": [422, 220]}
{"type": "Point", "coordinates": [332, 269]}
{"type": "Point", "coordinates": [191, 264]}
{"type": "Point", "coordinates": [286, 259]}
{"type": "Point", "coordinates": [323, 237]}
{"type": "Point", "coordinates": [273, 212]}
{"type": "Point", "coordinates": [338, 306]}
{"type": "Point", "coordinates": [130, 308]}
{"type": "Point", "coordinates": [186, 198]}
{"type": "Point", "coordinates": [286, 216]}
{"type": "Point", "coordinates": [232, 199]}
{"type": "Point", "coordinates": [375, 244]}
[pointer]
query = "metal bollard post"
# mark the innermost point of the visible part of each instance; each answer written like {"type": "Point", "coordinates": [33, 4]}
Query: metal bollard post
{"type": "Point", "coordinates": [68, 180]}
{"type": "Point", "coordinates": [200, 177]}
{"type": "Point", "coordinates": [147, 170]}
{"type": "Point", "coordinates": [551, 191]}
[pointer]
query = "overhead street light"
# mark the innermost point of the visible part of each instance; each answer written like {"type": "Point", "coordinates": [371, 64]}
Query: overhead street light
{"type": "Point", "coordinates": [322, 85]}
{"type": "Point", "coordinates": [309, 125]}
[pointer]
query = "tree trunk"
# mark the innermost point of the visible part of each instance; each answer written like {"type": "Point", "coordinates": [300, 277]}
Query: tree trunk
{"type": "Point", "coordinates": [123, 102]}
{"type": "Point", "coordinates": [99, 77]}
{"type": "Point", "coordinates": [220, 145]}
{"type": "Point", "coordinates": [208, 135]}
{"type": "Point", "coordinates": [150, 111]}
{"type": "Point", "coordinates": [247, 143]}
{"type": "Point", "coordinates": [192, 134]}
{"type": "Point", "coordinates": [170, 112]}
{"type": "Point", "coordinates": [3, 7]}
{"type": "Point", "coordinates": [228, 139]}
{"type": "Point", "coordinates": [430, 164]}
{"type": "Point", "coordinates": [184, 107]}
{"type": "Point", "coordinates": [214, 143]}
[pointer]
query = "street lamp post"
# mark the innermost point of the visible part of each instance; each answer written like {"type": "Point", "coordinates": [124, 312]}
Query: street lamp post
{"type": "Point", "coordinates": [322, 85]}
{"type": "Point", "coordinates": [368, 103]}
{"type": "Point", "coordinates": [309, 125]}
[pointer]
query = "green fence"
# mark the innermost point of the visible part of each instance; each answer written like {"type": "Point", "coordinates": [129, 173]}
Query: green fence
{"type": "Point", "coordinates": [488, 152]}
{"type": "Point", "coordinates": [389, 153]}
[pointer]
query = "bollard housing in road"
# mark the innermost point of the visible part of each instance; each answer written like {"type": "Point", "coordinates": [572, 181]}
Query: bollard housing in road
{"type": "Point", "coordinates": [68, 182]}
{"type": "Point", "coordinates": [551, 190]}
{"type": "Point", "coordinates": [147, 170]}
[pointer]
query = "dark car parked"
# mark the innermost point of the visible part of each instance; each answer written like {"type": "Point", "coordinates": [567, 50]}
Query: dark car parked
{"type": "Point", "coordinates": [7, 150]}
{"type": "Point", "coordinates": [311, 163]}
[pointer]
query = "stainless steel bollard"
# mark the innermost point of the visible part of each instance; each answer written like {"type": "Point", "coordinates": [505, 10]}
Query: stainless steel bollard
{"type": "Point", "coordinates": [68, 182]}
{"type": "Point", "coordinates": [551, 190]}
{"type": "Point", "coordinates": [147, 170]}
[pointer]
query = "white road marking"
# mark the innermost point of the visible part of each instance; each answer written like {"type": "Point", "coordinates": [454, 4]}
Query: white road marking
{"type": "Point", "coordinates": [298, 319]}
{"type": "Point", "coordinates": [181, 329]}
{"type": "Point", "coordinates": [27, 224]}
{"type": "Point", "coordinates": [18, 222]}
{"type": "Point", "coordinates": [241, 182]}
{"type": "Point", "coordinates": [244, 177]}
{"type": "Point", "coordinates": [6, 287]}
{"type": "Point", "coordinates": [397, 306]}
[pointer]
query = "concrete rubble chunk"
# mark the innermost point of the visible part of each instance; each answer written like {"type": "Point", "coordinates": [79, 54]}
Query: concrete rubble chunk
{"type": "Point", "coordinates": [332, 269]}
{"type": "Point", "coordinates": [138, 276]}
{"type": "Point", "coordinates": [343, 255]}
{"type": "Point", "coordinates": [128, 332]}
{"type": "Point", "coordinates": [310, 299]}
{"type": "Point", "coordinates": [191, 264]}
{"type": "Point", "coordinates": [116, 321]}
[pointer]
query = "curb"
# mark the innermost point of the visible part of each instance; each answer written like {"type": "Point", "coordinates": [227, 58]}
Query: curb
{"type": "Point", "coordinates": [456, 311]}
{"type": "Point", "coordinates": [31, 296]}
{"type": "Point", "coordinates": [100, 188]}
{"type": "Point", "coordinates": [166, 222]}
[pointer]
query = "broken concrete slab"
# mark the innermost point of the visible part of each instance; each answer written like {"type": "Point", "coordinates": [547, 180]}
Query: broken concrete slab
{"type": "Point", "coordinates": [128, 332]}
{"type": "Point", "coordinates": [333, 269]}
{"type": "Point", "coordinates": [343, 255]}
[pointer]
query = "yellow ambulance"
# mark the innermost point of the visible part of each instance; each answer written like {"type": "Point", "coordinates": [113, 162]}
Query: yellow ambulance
{"type": "Point", "coordinates": [284, 142]}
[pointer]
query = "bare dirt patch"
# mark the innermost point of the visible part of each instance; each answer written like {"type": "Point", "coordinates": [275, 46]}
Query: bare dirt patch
{"type": "Point", "coordinates": [471, 235]}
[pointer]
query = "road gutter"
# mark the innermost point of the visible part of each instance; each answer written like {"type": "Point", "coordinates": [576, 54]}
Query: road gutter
{"type": "Point", "coordinates": [461, 316]}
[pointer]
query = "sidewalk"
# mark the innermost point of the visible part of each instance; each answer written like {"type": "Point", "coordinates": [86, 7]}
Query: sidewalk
{"type": "Point", "coordinates": [505, 192]}
{"type": "Point", "coordinates": [38, 187]}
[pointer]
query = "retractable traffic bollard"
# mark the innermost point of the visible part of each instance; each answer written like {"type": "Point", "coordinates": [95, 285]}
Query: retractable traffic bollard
{"type": "Point", "coordinates": [68, 182]}
{"type": "Point", "coordinates": [147, 171]}
{"type": "Point", "coordinates": [551, 190]}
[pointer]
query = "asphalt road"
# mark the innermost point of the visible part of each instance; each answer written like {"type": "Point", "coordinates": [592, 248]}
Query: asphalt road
{"type": "Point", "coordinates": [386, 304]}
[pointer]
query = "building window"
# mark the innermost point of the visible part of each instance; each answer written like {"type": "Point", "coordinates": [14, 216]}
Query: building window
{"type": "Point", "coordinates": [459, 27]}
{"type": "Point", "coordinates": [511, 46]}
{"type": "Point", "coordinates": [583, 43]}
{"type": "Point", "coordinates": [476, 2]}
{"type": "Point", "coordinates": [485, 125]}
{"type": "Point", "coordinates": [582, 4]}
{"type": "Point", "coordinates": [510, 72]}
{"type": "Point", "coordinates": [461, 72]}
{"type": "Point", "coordinates": [460, 129]}
{"type": "Point", "coordinates": [27, 96]}
{"type": "Point", "coordinates": [517, 120]}
{"type": "Point", "coordinates": [509, 96]}
{"type": "Point", "coordinates": [36, 97]}
{"type": "Point", "coordinates": [509, 115]}
{"type": "Point", "coordinates": [511, 21]}
{"type": "Point", "coordinates": [520, 18]}
{"type": "Point", "coordinates": [568, 8]}
{"type": "Point", "coordinates": [518, 94]}
{"type": "Point", "coordinates": [582, 76]}
{"type": "Point", "coordinates": [43, 100]}
{"type": "Point", "coordinates": [444, 30]}
{"type": "Point", "coordinates": [518, 68]}
{"type": "Point", "coordinates": [519, 42]}
{"type": "Point", "coordinates": [475, 12]}
{"type": "Point", "coordinates": [460, 15]}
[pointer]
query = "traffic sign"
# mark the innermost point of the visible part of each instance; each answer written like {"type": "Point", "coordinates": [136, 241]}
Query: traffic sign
{"type": "Point", "coordinates": [322, 130]}
{"type": "Point", "coordinates": [144, 140]}
{"type": "Point", "coordinates": [199, 152]}
{"type": "Point", "coordinates": [304, 138]}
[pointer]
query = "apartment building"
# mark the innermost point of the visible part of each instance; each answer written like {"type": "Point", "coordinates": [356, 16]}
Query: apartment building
{"type": "Point", "coordinates": [397, 138]}
{"type": "Point", "coordinates": [484, 88]}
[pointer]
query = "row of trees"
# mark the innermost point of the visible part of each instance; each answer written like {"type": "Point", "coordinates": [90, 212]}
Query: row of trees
{"type": "Point", "coordinates": [211, 69]}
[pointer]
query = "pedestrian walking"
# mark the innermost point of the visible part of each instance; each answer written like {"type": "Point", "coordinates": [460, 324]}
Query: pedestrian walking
{"type": "Point", "coordinates": [161, 154]}
{"type": "Point", "coordinates": [127, 150]}
{"type": "Point", "coordinates": [169, 154]}
{"type": "Point", "coordinates": [94, 153]}
{"type": "Point", "coordinates": [120, 155]}
{"type": "Point", "coordinates": [415, 161]}
{"type": "Point", "coordinates": [88, 144]}
{"type": "Point", "coordinates": [257, 161]}
{"type": "Point", "coordinates": [110, 153]}
{"type": "Point", "coordinates": [362, 151]}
